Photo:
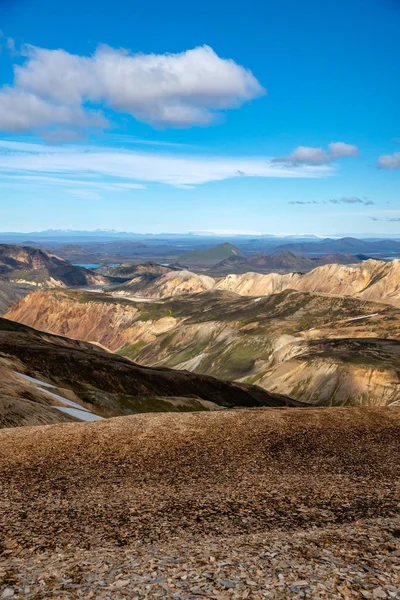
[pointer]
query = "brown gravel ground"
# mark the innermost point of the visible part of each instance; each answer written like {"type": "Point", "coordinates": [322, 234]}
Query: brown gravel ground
{"type": "Point", "coordinates": [258, 503]}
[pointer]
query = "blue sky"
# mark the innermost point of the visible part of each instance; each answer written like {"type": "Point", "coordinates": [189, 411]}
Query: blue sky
{"type": "Point", "coordinates": [264, 117]}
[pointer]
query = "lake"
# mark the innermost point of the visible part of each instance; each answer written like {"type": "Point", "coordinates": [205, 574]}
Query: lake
{"type": "Point", "coordinates": [95, 265]}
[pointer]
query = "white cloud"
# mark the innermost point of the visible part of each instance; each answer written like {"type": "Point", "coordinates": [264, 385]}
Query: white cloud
{"type": "Point", "coordinates": [127, 168]}
{"type": "Point", "coordinates": [389, 161]}
{"type": "Point", "coordinates": [341, 150]}
{"type": "Point", "coordinates": [306, 155]}
{"type": "Point", "coordinates": [52, 87]}
{"type": "Point", "coordinates": [21, 110]}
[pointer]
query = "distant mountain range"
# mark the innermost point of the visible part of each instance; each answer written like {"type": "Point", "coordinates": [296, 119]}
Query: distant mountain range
{"type": "Point", "coordinates": [346, 245]}
{"type": "Point", "coordinates": [195, 251]}
{"type": "Point", "coordinates": [280, 262]}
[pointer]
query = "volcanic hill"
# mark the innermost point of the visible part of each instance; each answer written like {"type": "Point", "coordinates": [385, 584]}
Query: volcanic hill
{"type": "Point", "coordinates": [27, 265]}
{"type": "Point", "coordinates": [210, 256]}
{"type": "Point", "coordinates": [318, 349]}
{"type": "Point", "coordinates": [101, 382]}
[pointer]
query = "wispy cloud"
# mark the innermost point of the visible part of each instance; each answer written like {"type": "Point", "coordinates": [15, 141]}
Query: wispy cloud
{"type": "Point", "coordinates": [305, 202]}
{"type": "Point", "coordinates": [351, 200]}
{"type": "Point", "coordinates": [130, 140]}
{"type": "Point", "coordinates": [55, 181]}
{"type": "Point", "coordinates": [386, 219]}
{"type": "Point", "coordinates": [343, 200]}
{"type": "Point", "coordinates": [84, 194]}
{"type": "Point", "coordinates": [125, 167]}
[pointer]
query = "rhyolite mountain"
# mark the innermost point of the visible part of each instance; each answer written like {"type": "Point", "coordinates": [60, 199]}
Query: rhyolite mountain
{"type": "Point", "coordinates": [28, 265]}
{"type": "Point", "coordinates": [105, 383]}
{"type": "Point", "coordinates": [13, 258]}
{"type": "Point", "coordinates": [368, 279]}
{"type": "Point", "coordinates": [318, 349]}
{"type": "Point", "coordinates": [325, 337]}
{"type": "Point", "coordinates": [149, 284]}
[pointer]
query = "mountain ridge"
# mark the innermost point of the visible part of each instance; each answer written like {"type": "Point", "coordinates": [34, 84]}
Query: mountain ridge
{"type": "Point", "coordinates": [28, 265]}
{"type": "Point", "coordinates": [370, 280]}
{"type": "Point", "coordinates": [284, 261]}
{"type": "Point", "coordinates": [103, 382]}
{"type": "Point", "coordinates": [268, 340]}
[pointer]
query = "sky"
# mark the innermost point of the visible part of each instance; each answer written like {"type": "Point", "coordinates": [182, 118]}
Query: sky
{"type": "Point", "coordinates": [264, 117]}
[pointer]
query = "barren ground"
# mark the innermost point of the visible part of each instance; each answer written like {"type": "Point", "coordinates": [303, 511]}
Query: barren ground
{"type": "Point", "coordinates": [258, 503]}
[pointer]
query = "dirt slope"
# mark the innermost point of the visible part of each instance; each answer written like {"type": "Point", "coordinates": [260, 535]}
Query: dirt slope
{"type": "Point", "coordinates": [160, 476]}
{"type": "Point", "coordinates": [10, 293]}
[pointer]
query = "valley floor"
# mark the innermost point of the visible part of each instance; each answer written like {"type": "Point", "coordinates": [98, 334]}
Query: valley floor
{"type": "Point", "coordinates": [257, 503]}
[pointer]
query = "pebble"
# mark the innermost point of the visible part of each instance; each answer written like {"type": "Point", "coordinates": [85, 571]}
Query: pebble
{"type": "Point", "coordinates": [121, 583]}
{"type": "Point", "coordinates": [228, 583]}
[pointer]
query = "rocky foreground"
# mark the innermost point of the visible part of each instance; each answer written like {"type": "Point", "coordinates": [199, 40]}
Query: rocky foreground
{"type": "Point", "coordinates": [257, 503]}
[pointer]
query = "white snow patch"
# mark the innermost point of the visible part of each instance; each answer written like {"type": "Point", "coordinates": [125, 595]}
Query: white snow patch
{"type": "Point", "coordinates": [33, 380]}
{"type": "Point", "coordinates": [76, 410]}
{"type": "Point", "coordinates": [79, 414]}
{"type": "Point", "coordinates": [363, 317]}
